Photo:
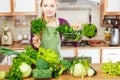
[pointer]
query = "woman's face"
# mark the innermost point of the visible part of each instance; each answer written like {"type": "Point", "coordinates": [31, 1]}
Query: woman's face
{"type": "Point", "coordinates": [49, 8]}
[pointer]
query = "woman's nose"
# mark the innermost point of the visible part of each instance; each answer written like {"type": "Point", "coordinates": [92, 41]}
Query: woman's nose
{"type": "Point", "coordinates": [48, 8]}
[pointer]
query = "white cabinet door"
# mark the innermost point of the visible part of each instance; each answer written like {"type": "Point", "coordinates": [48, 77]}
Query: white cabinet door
{"type": "Point", "coordinates": [5, 7]}
{"type": "Point", "coordinates": [112, 5]}
{"type": "Point", "coordinates": [94, 54]}
{"type": "Point", "coordinates": [8, 59]}
{"type": "Point", "coordinates": [110, 55]}
{"type": "Point", "coordinates": [67, 53]}
{"type": "Point", "coordinates": [24, 6]}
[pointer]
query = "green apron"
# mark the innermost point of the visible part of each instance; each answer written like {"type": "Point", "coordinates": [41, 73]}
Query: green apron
{"type": "Point", "coordinates": [50, 40]}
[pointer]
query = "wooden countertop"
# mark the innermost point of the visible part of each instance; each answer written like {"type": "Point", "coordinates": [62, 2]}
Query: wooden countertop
{"type": "Point", "coordinates": [100, 75]}
{"type": "Point", "coordinates": [20, 46]}
{"type": "Point", "coordinates": [17, 46]}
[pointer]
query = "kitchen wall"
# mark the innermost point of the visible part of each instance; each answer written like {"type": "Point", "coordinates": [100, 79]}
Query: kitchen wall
{"type": "Point", "coordinates": [73, 16]}
{"type": "Point", "coordinates": [81, 14]}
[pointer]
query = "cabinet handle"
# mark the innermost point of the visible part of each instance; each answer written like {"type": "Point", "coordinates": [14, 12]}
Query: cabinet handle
{"type": "Point", "coordinates": [15, 4]}
{"type": "Point", "coordinates": [113, 54]}
{"type": "Point", "coordinates": [106, 4]}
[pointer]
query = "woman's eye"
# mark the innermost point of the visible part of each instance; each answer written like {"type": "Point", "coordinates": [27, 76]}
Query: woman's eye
{"type": "Point", "coordinates": [45, 5]}
{"type": "Point", "coordinates": [52, 6]}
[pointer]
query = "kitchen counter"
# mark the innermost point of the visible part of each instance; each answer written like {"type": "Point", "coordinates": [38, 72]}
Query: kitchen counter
{"type": "Point", "coordinates": [17, 46]}
{"type": "Point", "coordinates": [100, 75]}
{"type": "Point", "coordinates": [20, 46]}
{"type": "Point", "coordinates": [74, 51]}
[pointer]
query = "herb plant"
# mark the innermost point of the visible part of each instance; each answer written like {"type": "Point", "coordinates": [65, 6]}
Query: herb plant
{"type": "Point", "coordinates": [38, 25]}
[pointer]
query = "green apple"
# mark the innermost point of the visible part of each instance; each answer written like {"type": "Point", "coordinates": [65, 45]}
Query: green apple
{"type": "Point", "coordinates": [2, 75]}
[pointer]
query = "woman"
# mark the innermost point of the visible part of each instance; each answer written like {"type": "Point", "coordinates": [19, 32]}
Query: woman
{"type": "Point", "coordinates": [49, 40]}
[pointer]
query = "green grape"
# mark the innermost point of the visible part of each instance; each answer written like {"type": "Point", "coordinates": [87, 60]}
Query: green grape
{"type": "Point", "coordinates": [111, 68]}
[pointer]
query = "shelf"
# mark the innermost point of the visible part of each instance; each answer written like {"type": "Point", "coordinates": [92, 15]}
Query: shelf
{"type": "Point", "coordinates": [23, 20]}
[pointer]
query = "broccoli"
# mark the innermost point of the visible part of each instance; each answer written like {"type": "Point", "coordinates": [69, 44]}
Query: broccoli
{"type": "Point", "coordinates": [42, 64]}
{"type": "Point", "coordinates": [65, 65]}
{"type": "Point", "coordinates": [38, 73]}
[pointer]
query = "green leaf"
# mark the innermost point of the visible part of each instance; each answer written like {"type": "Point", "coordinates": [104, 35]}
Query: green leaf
{"type": "Point", "coordinates": [38, 25]}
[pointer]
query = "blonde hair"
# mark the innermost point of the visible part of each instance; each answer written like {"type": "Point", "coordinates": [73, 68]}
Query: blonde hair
{"type": "Point", "coordinates": [42, 15]}
{"type": "Point", "coordinates": [43, 0]}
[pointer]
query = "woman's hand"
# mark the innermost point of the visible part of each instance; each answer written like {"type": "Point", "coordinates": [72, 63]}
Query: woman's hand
{"type": "Point", "coordinates": [36, 41]}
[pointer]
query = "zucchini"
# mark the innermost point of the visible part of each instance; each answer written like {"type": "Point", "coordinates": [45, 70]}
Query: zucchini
{"type": "Point", "coordinates": [91, 71]}
{"type": "Point", "coordinates": [95, 72]}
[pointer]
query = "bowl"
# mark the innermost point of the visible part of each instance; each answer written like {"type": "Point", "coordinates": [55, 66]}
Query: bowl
{"type": "Point", "coordinates": [95, 41]}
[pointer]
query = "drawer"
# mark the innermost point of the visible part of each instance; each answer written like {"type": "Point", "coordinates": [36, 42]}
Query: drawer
{"type": "Point", "coordinates": [110, 55]}
{"type": "Point", "coordinates": [67, 53]}
{"type": "Point", "coordinates": [94, 54]}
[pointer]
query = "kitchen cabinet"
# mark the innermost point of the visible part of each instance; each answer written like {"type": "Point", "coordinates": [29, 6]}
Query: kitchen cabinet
{"type": "Point", "coordinates": [67, 53]}
{"type": "Point", "coordinates": [18, 7]}
{"type": "Point", "coordinates": [5, 7]}
{"type": "Point", "coordinates": [109, 10]}
{"type": "Point", "coordinates": [24, 7]}
{"type": "Point", "coordinates": [7, 60]}
{"type": "Point", "coordinates": [94, 54]}
{"type": "Point", "coordinates": [112, 6]}
{"type": "Point", "coordinates": [21, 9]}
{"type": "Point", "coordinates": [110, 55]}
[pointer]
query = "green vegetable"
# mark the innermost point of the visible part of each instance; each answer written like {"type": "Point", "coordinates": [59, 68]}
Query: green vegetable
{"type": "Point", "coordinates": [38, 25]}
{"type": "Point", "coordinates": [7, 51]}
{"type": "Point", "coordinates": [69, 33]}
{"type": "Point", "coordinates": [25, 69]}
{"type": "Point", "coordinates": [91, 71]}
{"type": "Point", "coordinates": [79, 35]}
{"type": "Point", "coordinates": [49, 55]}
{"type": "Point", "coordinates": [79, 67]}
{"type": "Point", "coordinates": [79, 70]}
{"type": "Point", "coordinates": [64, 28]}
{"type": "Point", "coordinates": [2, 75]}
{"type": "Point", "coordinates": [111, 68]}
{"type": "Point", "coordinates": [65, 65]}
{"type": "Point", "coordinates": [27, 57]}
{"type": "Point", "coordinates": [42, 73]}
{"type": "Point", "coordinates": [55, 68]}
{"type": "Point", "coordinates": [89, 30]}
{"type": "Point", "coordinates": [42, 64]}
